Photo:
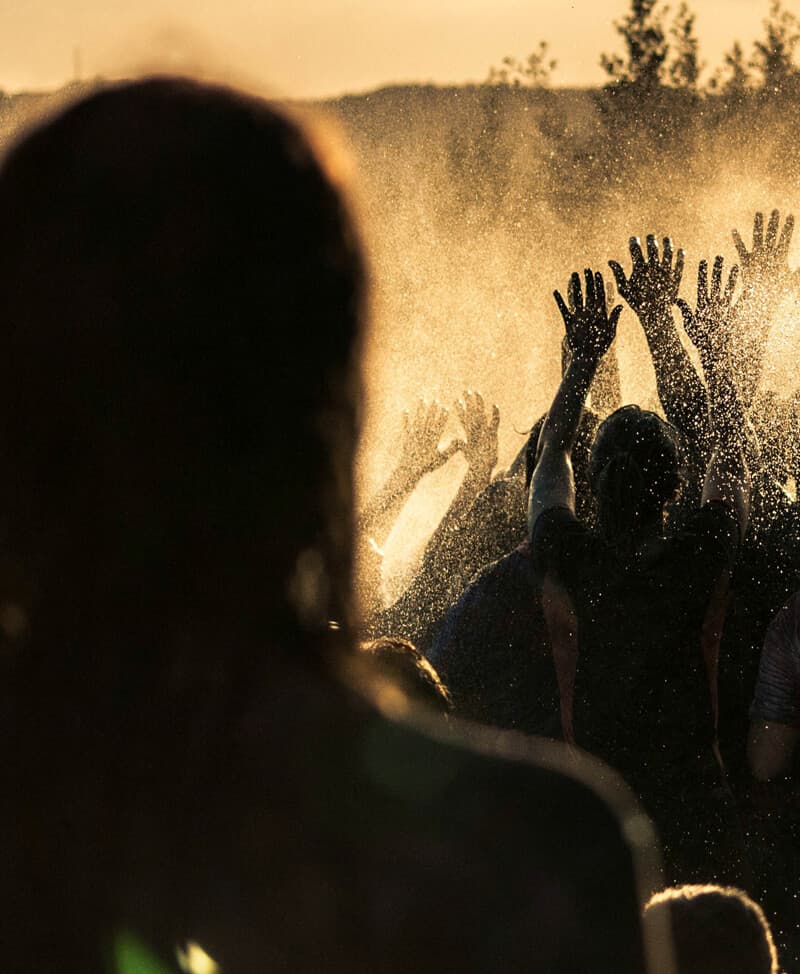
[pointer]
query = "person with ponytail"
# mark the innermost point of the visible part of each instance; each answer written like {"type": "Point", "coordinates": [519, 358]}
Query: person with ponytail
{"type": "Point", "coordinates": [634, 616]}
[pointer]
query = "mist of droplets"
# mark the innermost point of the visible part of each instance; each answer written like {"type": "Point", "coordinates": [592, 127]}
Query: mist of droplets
{"type": "Point", "coordinates": [465, 257]}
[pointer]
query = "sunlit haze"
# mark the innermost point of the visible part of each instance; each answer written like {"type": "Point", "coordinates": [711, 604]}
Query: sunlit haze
{"type": "Point", "coordinates": [313, 48]}
{"type": "Point", "coordinates": [468, 223]}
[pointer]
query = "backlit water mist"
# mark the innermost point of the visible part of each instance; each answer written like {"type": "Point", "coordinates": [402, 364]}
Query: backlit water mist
{"type": "Point", "coordinates": [471, 220]}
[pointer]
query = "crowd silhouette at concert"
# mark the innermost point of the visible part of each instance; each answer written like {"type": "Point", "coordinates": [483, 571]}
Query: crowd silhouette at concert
{"type": "Point", "coordinates": [568, 746]}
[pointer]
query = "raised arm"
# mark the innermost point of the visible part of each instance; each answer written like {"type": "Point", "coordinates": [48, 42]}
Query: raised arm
{"type": "Point", "coordinates": [651, 290]}
{"type": "Point", "coordinates": [605, 394]}
{"type": "Point", "coordinates": [419, 454]}
{"type": "Point", "coordinates": [766, 279]}
{"type": "Point", "coordinates": [709, 328]}
{"type": "Point", "coordinates": [479, 447]}
{"type": "Point", "coordinates": [417, 612]}
{"type": "Point", "coordinates": [590, 332]}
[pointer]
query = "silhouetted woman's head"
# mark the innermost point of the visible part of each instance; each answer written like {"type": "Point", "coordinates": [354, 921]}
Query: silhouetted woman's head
{"type": "Point", "coordinates": [181, 299]}
{"type": "Point", "coordinates": [633, 471]}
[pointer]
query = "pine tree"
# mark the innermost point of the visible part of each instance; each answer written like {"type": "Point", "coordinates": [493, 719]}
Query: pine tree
{"type": "Point", "coordinates": [685, 66]}
{"type": "Point", "coordinates": [646, 48]}
{"type": "Point", "coordinates": [534, 72]}
{"type": "Point", "coordinates": [740, 78]}
{"type": "Point", "coordinates": [774, 55]}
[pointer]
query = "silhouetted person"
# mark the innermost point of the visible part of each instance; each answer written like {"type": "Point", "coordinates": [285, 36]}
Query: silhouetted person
{"type": "Point", "coordinates": [493, 649]}
{"type": "Point", "coordinates": [773, 796]}
{"type": "Point", "coordinates": [454, 553]}
{"type": "Point", "coordinates": [715, 930]}
{"type": "Point", "coordinates": [635, 618]}
{"type": "Point", "coordinates": [775, 713]}
{"type": "Point", "coordinates": [181, 303]}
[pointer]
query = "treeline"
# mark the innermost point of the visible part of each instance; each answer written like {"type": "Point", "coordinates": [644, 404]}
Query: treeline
{"type": "Point", "coordinates": [655, 134]}
{"type": "Point", "coordinates": [657, 115]}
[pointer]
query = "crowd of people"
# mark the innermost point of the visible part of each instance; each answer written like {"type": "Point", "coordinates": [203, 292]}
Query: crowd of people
{"type": "Point", "coordinates": [210, 751]}
{"type": "Point", "coordinates": [626, 614]}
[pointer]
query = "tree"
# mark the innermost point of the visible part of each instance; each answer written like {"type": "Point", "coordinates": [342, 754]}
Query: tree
{"type": "Point", "coordinates": [646, 48]}
{"type": "Point", "coordinates": [734, 79]}
{"type": "Point", "coordinates": [685, 66]}
{"type": "Point", "coordinates": [773, 56]}
{"type": "Point", "coordinates": [534, 72]}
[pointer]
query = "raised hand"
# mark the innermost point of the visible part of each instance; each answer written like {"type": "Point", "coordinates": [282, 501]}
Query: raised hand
{"type": "Point", "coordinates": [420, 452]}
{"type": "Point", "coordinates": [480, 446]}
{"type": "Point", "coordinates": [709, 325]}
{"type": "Point", "coordinates": [766, 263]}
{"type": "Point", "coordinates": [589, 325]}
{"type": "Point", "coordinates": [653, 282]}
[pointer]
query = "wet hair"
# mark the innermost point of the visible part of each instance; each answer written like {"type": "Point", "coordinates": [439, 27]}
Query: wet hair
{"type": "Point", "coordinates": [715, 930]}
{"type": "Point", "coordinates": [634, 469]}
{"type": "Point", "coordinates": [406, 667]}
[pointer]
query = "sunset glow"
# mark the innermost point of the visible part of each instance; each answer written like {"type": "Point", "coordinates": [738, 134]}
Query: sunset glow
{"type": "Point", "coordinates": [314, 48]}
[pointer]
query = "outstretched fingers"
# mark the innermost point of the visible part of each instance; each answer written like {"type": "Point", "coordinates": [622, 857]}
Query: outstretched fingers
{"type": "Point", "coordinates": [437, 419]}
{"type": "Point", "coordinates": [741, 249]}
{"type": "Point", "coordinates": [677, 273]}
{"type": "Point", "coordinates": [733, 277]}
{"type": "Point", "coordinates": [461, 412]}
{"type": "Point", "coordinates": [666, 255]}
{"type": "Point", "coordinates": [494, 423]}
{"type": "Point", "coordinates": [716, 278]}
{"type": "Point", "coordinates": [637, 256]}
{"type": "Point", "coordinates": [562, 306]}
{"type": "Point", "coordinates": [599, 290]}
{"type": "Point", "coordinates": [786, 236]}
{"type": "Point", "coordinates": [574, 295]}
{"type": "Point", "coordinates": [470, 411]}
{"type": "Point", "coordinates": [758, 231]}
{"type": "Point", "coordinates": [772, 229]}
{"type": "Point", "coordinates": [479, 429]}
{"type": "Point", "coordinates": [619, 276]}
{"type": "Point", "coordinates": [702, 283]}
{"type": "Point", "coordinates": [652, 248]}
{"type": "Point", "coordinates": [478, 408]}
{"type": "Point", "coordinates": [588, 277]}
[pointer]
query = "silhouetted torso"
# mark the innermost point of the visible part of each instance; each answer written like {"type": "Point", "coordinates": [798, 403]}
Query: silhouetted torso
{"type": "Point", "coordinates": [493, 651]}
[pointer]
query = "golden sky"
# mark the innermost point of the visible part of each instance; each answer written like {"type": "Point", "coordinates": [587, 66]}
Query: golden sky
{"type": "Point", "coordinates": [310, 48]}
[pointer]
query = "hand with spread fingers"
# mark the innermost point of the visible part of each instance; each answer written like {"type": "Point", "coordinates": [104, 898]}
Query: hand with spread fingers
{"type": "Point", "coordinates": [606, 390]}
{"type": "Point", "coordinates": [591, 328]}
{"type": "Point", "coordinates": [480, 446]}
{"type": "Point", "coordinates": [653, 283]}
{"type": "Point", "coordinates": [709, 325]}
{"type": "Point", "coordinates": [766, 264]}
{"type": "Point", "coordinates": [420, 452]}
{"type": "Point", "coordinates": [767, 279]}
{"type": "Point", "coordinates": [589, 325]}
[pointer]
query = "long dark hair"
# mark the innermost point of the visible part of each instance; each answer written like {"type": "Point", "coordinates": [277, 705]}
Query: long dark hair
{"type": "Point", "coordinates": [182, 294]}
{"type": "Point", "coordinates": [633, 471]}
